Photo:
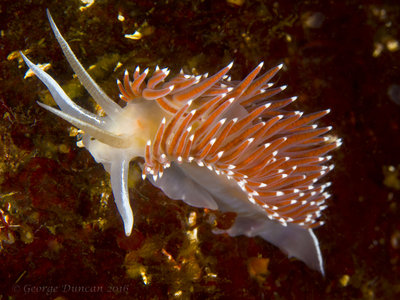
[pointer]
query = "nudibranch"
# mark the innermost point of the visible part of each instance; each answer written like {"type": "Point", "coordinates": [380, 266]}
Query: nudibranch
{"type": "Point", "coordinates": [213, 143]}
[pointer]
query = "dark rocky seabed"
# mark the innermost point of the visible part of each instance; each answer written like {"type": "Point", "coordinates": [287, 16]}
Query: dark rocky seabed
{"type": "Point", "coordinates": [60, 234]}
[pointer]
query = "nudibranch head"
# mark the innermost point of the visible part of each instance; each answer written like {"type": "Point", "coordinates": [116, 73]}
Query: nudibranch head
{"type": "Point", "coordinates": [213, 143]}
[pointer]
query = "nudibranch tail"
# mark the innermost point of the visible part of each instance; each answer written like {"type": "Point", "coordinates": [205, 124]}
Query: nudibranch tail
{"type": "Point", "coordinates": [213, 143]}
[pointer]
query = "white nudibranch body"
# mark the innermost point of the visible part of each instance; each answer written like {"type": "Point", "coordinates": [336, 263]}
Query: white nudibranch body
{"type": "Point", "coordinates": [138, 123]}
{"type": "Point", "coordinates": [212, 143]}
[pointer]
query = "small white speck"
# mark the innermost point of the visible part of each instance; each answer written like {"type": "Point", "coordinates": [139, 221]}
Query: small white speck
{"type": "Point", "coordinates": [326, 195]}
{"type": "Point", "coordinates": [254, 193]}
{"type": "Point", "coordinates": [283, 221]}
{"type": "Point", "coordinates": [328, 184]}
{"type": "Point", "coordinates": [299, 113]}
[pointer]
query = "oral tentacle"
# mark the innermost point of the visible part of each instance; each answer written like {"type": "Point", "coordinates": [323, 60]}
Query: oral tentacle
{"type": "Point", "coordinates": [100, 134]}
{"type": "Point", "coordinates": [62, 99]}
